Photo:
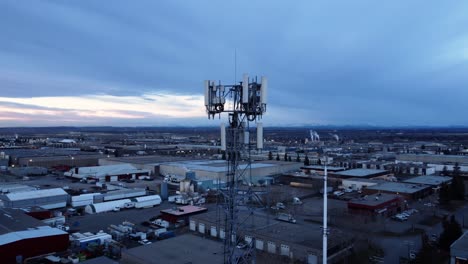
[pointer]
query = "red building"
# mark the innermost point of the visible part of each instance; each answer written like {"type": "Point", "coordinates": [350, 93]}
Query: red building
{"type": "Point", "coordinates": [377, 204]}
{"type": "Point", "coordinates": [181, 213]}
{"type": "Point", "coordinates": [22, 237]}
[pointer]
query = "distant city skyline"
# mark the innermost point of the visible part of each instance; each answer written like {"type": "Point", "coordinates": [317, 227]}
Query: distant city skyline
{"type": "Point", "coordinates": [94, 63]}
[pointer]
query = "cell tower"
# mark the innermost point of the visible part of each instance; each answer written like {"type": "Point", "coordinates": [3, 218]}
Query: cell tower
{"type": "Point", "coordinates": [244, 103]}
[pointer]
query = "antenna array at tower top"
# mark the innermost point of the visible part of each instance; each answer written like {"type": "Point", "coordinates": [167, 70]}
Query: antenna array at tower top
{"type": "Point", "coordinates": [248, 97]}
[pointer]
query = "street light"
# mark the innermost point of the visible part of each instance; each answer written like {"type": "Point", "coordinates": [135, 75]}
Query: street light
{"type": "Point", "coordinates": [73, 159]}
{"type": "Point", "coordinates": [29, 161]}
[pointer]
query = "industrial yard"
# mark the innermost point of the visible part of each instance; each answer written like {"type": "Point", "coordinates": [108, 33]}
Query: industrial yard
{"type": "Point", "coordinates": [233, 132]}
{"type": "Point", "coordinates": [129, 205]}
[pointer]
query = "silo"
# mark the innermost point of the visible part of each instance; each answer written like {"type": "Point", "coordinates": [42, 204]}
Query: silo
{"type": "Point", "coordinates": [164, 191]}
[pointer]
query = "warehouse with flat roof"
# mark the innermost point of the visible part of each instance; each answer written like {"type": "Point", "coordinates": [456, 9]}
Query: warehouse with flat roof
{"type": "Point", "coordinates": [434, 181]}
{"type": "Point", "coordinates": [217, 169]}
{"type": "Point", "coordinates": [150, 163]}
{"type": "Point", "coordinates": [360, 173]}
{"type": "Point", "coordinates": [45, 198]}
{"type": "Point", "coordinates": [377, 204]}
{"type": "Point", "coordinates": [407, 190]}
{"type": "Point", "coordinates": [107, 173]}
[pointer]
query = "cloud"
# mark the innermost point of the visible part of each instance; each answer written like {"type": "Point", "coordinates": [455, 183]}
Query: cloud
{"type": "Point", "coordinates": [102, 107]}
{"type": "Point", "coordinates": [393, 63]}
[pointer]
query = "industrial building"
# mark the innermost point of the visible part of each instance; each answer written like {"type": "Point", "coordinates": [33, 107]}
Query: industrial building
{"type": "Point", "coordinates": [46, 198]}
{"type": "Point", "coordinates": [52, 157]}
{"type": "Point", "coordinates": [433, 181]}
{"type": "Point", "coordinates": [412, 168]}
{"type": "Point", "coordinates": [360, 173]}
{"type": "Point", "coordinates": [106, 206]}
{"type": "Point", "coordinates": [318, 169]}
{"type": "Point", "coordinates": [22, 237]}
{"type": "Point", "coordinates": [439, 162]}
{"type": "Point", "coordinates": [186, 248]}
{"type": "Point", "coordinates": [459, 250]}
{"type": "Point", "coordinates": [181, 213]}
{"type": "Point", "coordinates": [15, 187]}
{"type": "Point", "coordinates": [138, 202]}
{"type": "Point", "coordinates": [408, 191]}
{"type": "Point", "coordinates": [150, 163]}
{"type": "Point", "coordinates": [431, 158]}
{"type": "Point", "coordinates": [376, 165]}
{"type": "Point", "coordinates": [356, 184]}
{"type": "Point", "coordinates": [217, 169]}
{"type": "Point", "coordinates": [120, 194]}
{"type": "Point", "coordinates": [302, 242]}
{"type": "Point", "coordinates": [377, 204]}
{"type": "Point", "coordinates": [107, 173]}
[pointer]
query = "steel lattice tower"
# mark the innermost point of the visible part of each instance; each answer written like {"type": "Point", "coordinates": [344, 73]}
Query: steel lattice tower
{"type": "Point", "coordinates": [246, 103]}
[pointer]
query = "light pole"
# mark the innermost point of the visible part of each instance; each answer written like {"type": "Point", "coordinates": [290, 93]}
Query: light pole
{"type": "Point", "coordinates": [72, 161]}
{"type": "Point", "coordinates": [325, 204]}
{"type": "Point", "coordinates": [29, 161]}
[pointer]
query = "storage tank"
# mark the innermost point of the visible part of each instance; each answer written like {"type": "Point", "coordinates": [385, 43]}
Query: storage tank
{"type": "Point", "coordinates": [164, 191]}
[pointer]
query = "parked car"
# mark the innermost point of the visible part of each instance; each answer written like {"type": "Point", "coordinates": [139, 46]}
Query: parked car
{"type": "Point", "coordinates": [338, 193]}
{"type": "Point", "coordinates": [241, 245]}
{"type": "Point", "coordinates": [400, 217]}
{"type": "Point", "coordinates": [63, 227]}
{"type": "Point", "coordinates": [405, 214]}
{"type": "Point", "coordinates": [144, 242]}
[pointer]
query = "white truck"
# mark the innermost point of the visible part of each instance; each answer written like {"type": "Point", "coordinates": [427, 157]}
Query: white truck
{"type": "Point", "coordinates": [159, 231]}
{"type": "Point", "coordinates": [161, 223]}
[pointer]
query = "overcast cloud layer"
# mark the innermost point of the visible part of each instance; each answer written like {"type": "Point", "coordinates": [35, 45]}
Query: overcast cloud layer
{"type": "Point", "coordinates": [143, 63]}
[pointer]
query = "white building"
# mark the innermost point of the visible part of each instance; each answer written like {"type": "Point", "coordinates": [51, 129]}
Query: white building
{"type": "Point", "coordinates": [217, 169]}
{"type": "Point", "coordinates": [47, 199]}
{"type": "Point", "coordinates": [107, 173]}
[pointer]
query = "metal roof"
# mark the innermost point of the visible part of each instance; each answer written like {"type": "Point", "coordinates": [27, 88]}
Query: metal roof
{"type": "Point", "coordinates": [108, 170]}
{"type": "Point", "coordinates": [371, 200]}
{"type": "Point", "coordinates": [12, 220]}
{"type": "Point", "coordinates": [360, 172]}
{"type": "Point", "coordinates": [41, 231]}
{"type": "Point", "coordinates": [398, 187]}
{"type": "Point", "coordinates": [147, 198]}
{"type": "Point", "coordinates": [183, 210]}
{"type": "Point", "coordinates": [106, 206]}
{"type": "Point", "coordinates": [214, 165]}
{"type": "Point", "coordinates": [14, 187]}
{"type": "Point", "coordinates": [459, 248]}
{"type": "Point", "coordinates": [186, 248]}
{"type": "Point", "coordinates": [429, 180]}
{"type": "Point", "coordinates": [17, 196]}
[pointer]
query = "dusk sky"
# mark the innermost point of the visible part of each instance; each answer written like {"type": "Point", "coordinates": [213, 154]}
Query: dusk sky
{"type": "Point", "coordinates": [142, 63]}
